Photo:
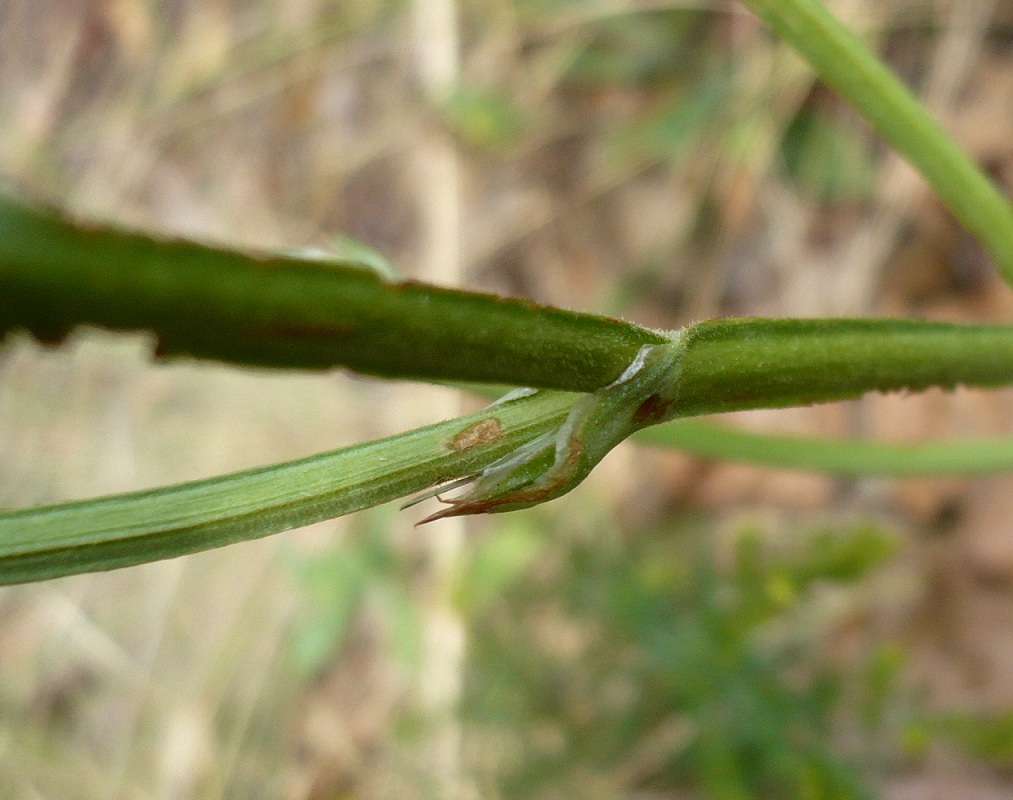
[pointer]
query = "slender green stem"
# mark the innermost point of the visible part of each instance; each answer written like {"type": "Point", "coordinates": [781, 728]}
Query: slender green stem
{"type": "Point", "coordinates": [833, 456]}
{"type": "Point", "coordinates": [846, 64]}
{"type": "Point", "coordinates": [284, 311]}
{"type": "Point", "coordinates": [724, 365]}
{"type": "Point", "coordinates": [118, 531]}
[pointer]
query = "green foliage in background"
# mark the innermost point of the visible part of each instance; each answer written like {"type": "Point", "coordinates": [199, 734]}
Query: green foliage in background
{"type": "Point", "coordinates": [826, 160]}
{"type": "Point", "coordinates": [651, 664]}
{"type": "Point", "coordinates": [340, 584]}
{"type": "Point", "coordinates": [651, 49]}
{"type": "Point", "coordinates": [482, 119]}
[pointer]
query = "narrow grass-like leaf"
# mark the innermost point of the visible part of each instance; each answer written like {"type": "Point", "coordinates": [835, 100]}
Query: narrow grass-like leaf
{"type": "Point", "coordinates": [117, 531]}
{"type": "Point", "coordinates": [833, 456]}
{"type": "Point", "coordinates": [846, 64]}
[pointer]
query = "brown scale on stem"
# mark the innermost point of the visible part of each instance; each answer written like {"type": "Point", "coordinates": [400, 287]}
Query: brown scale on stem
{"type": "Point", "coordinates": [485, 431]}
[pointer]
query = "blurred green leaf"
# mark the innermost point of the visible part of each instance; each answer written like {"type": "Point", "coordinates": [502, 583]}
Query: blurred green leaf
{"type": "Point", "coordinates": [987, 736]}
{"type": "Point", "coordinates": [497, 561]}
{"type": "Point", "coordinates": [338, 583]}
{"type": "Point", "coordinates": [883, 667]}
{"type": "Point", "coordinates": [845, 63]}
{"type": "Point", "coordinates": [826, 159]}
{"type": "Point", "coordinates": [669, 133]}
{"type": "Point", "coordinates": [640, 49]}
{"type": "Point", "coordinates": [611, 644]}
{"type": "Point", "coordinates": [352, 250]}
{"type": "Point", "coordinates": [484, 119]}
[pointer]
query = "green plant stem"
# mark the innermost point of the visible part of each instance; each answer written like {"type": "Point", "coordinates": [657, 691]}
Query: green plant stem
{"type": "Point", "coordinates": [279, 311]}
{"type": "Point", "coordinates": [118, 531]}
{"type": "Point", "coordinates": [283, 311]}
{"type": "Point", "coordinates": [725, 364]}
{"type": "Point", "coordinates": [735, 364]}
{"type": "Point", "coordinates": [846, 64]}
{"type": "Point", "coordinates": [833, 456]}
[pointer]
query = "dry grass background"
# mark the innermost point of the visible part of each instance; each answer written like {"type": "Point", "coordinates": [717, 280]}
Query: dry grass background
{"type": "Point", "coordinates": [285, 123]}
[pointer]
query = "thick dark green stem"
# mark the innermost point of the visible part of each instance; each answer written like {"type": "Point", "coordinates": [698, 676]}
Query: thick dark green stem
{"type": "Point", "coordinates": [763, 363]}
{"type": "Point", "coordinates": [279, 311]}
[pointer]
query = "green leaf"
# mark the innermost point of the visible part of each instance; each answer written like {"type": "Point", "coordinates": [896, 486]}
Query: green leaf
{"type": "Point", "coordinates": [118, 531]}
{"type": "Point", "coordinates": [687, 117]}
{"type": "Point", "coordinates": [484, 119]}
{"type": "Point", "coordinates": [834, 456]}
{"type": "Point", "coordinates": [347, 252]}
{"type": "Point", "coordinates": [497, 561]}
{"type": "Point", "coordinates": [826, 159]}
{"type": "Point", "coordinates": [846, 64]}
{"type": "Point", "coordinates": [987, 736]}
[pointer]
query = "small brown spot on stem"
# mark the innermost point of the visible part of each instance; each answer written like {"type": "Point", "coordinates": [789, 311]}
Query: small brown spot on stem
{"type": "Point", "coordinates": [485, 431]}
{"type": "Point", "coordinates": [652, 409]}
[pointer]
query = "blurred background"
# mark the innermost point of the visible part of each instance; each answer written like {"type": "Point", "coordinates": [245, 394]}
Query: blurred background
{"type": "Point", "coordinates": [675, 628]}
